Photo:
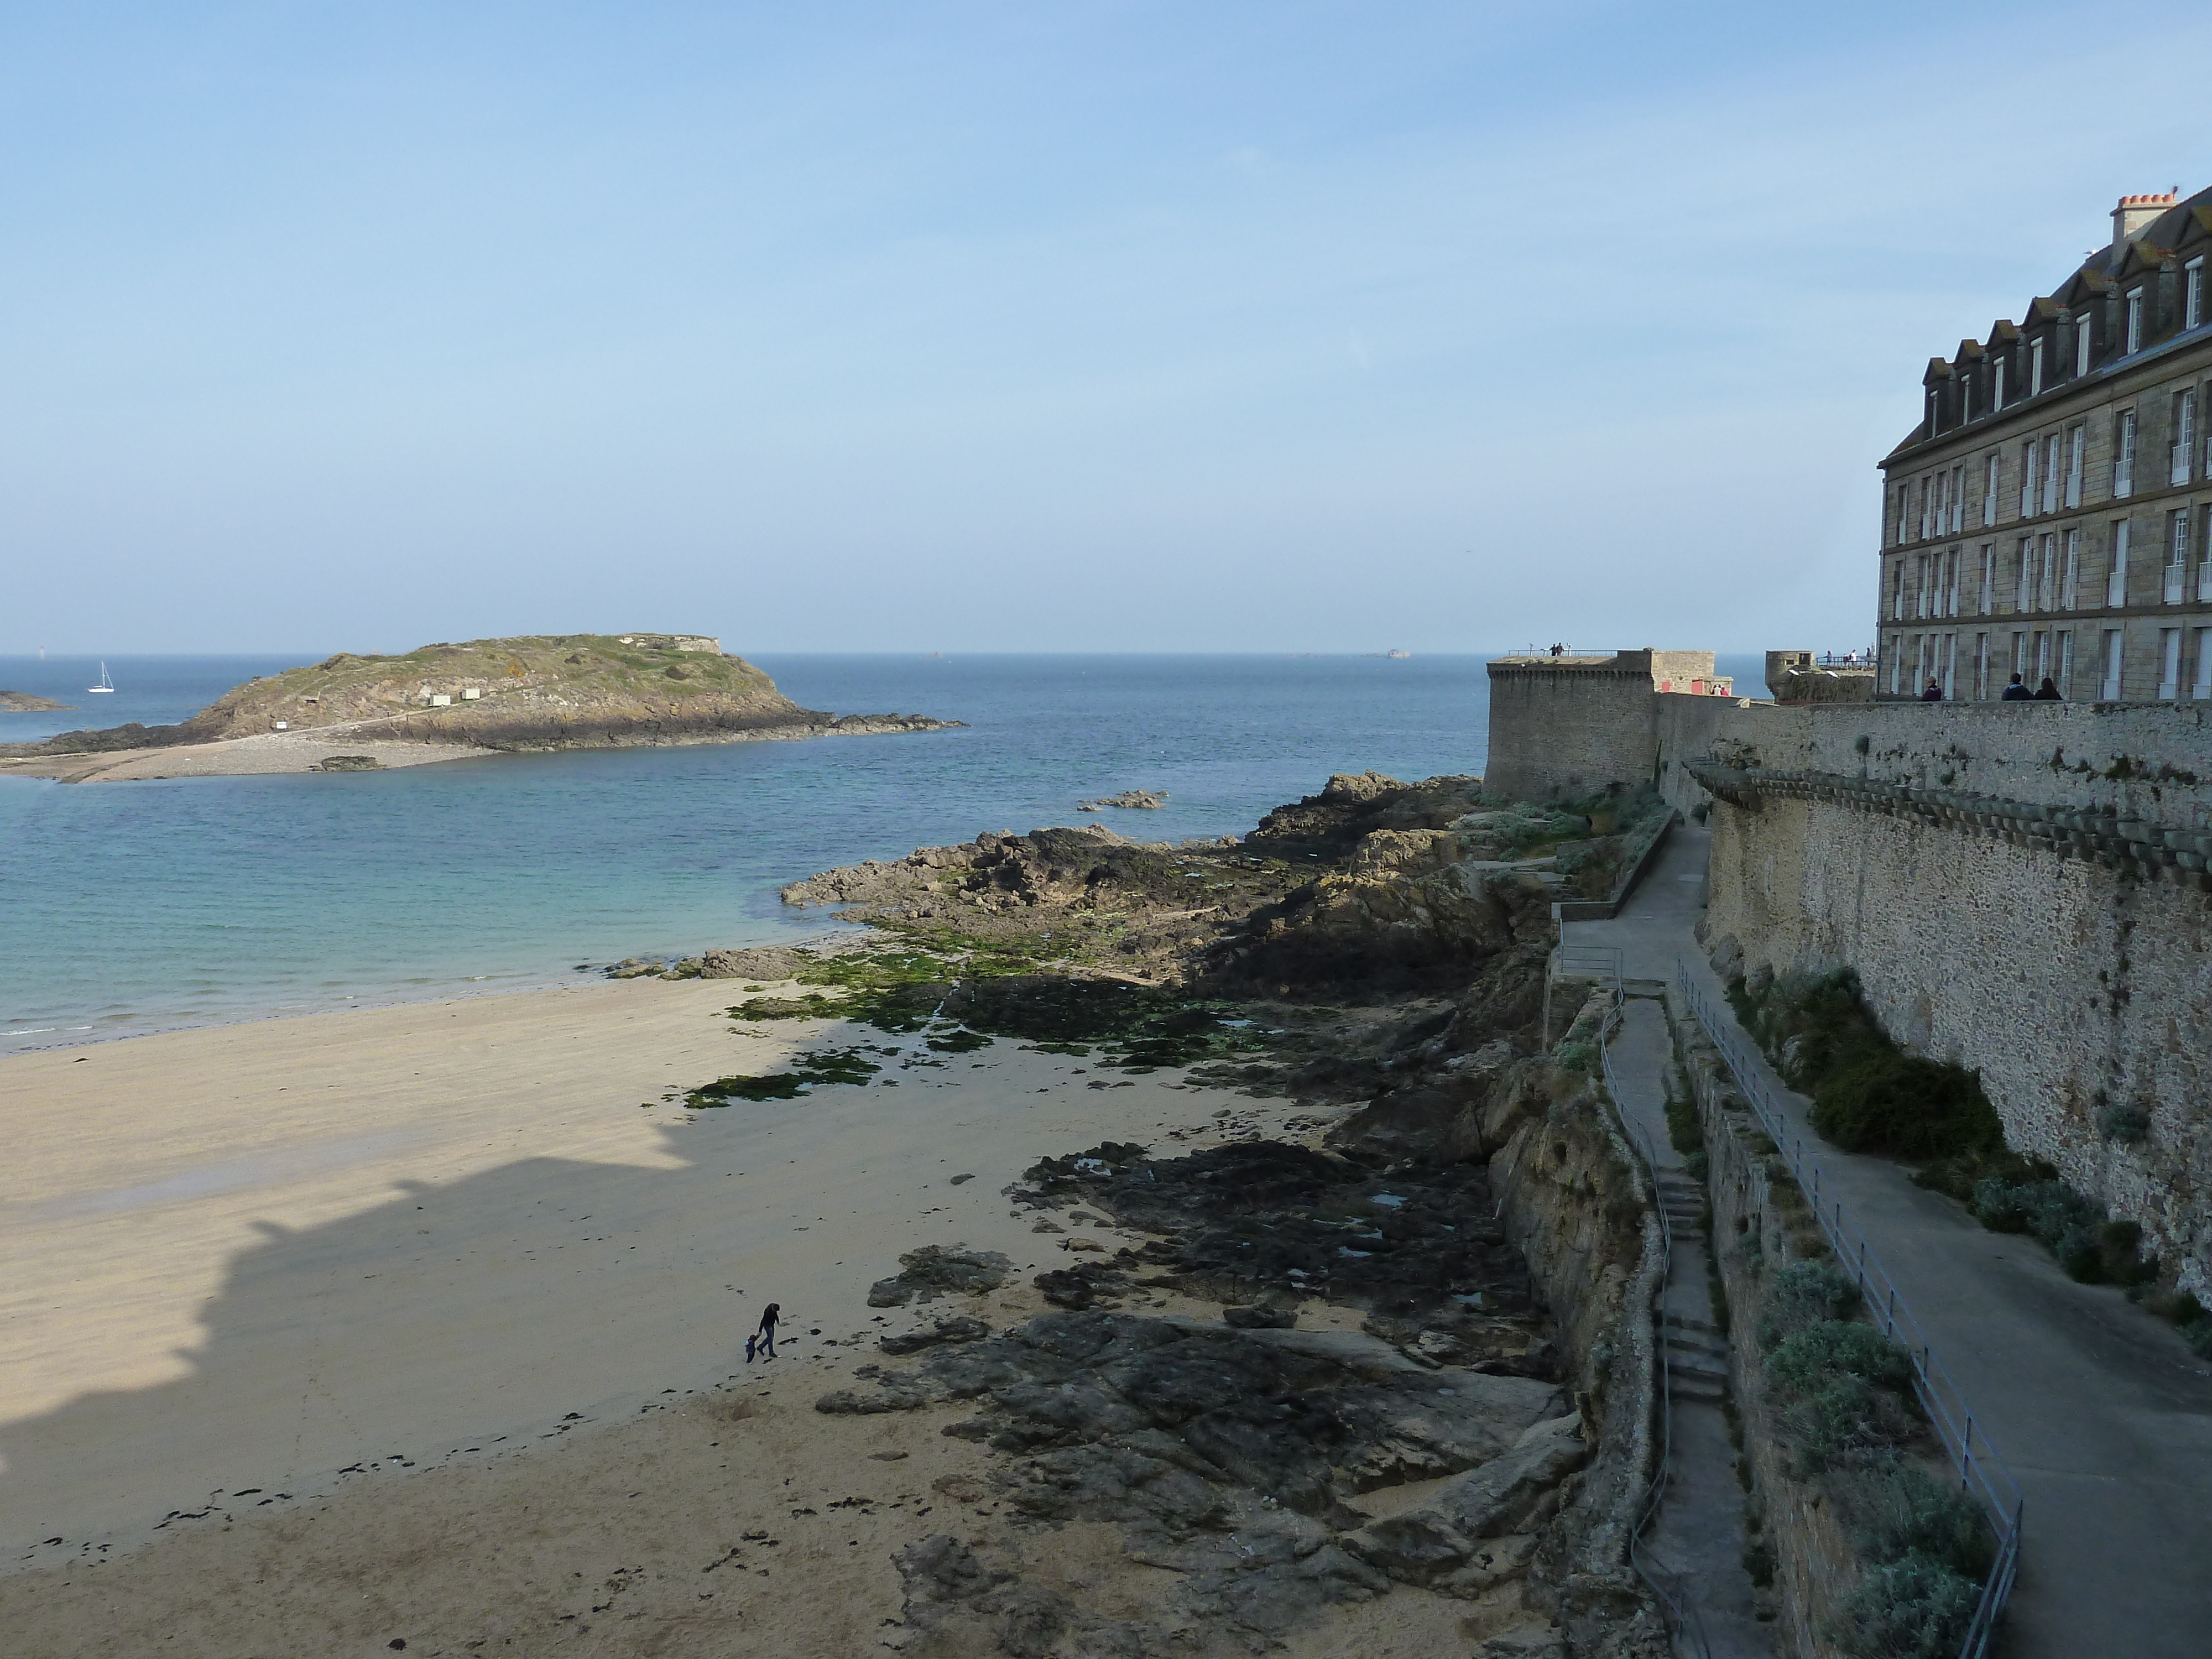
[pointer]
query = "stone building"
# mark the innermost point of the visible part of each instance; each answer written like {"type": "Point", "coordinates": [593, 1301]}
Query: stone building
{"type": "Point", "coordinates": [2050, 514]}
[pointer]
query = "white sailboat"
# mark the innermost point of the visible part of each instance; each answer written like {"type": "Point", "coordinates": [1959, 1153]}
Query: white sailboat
{"type": "Point", "coordinates": [106, 683]}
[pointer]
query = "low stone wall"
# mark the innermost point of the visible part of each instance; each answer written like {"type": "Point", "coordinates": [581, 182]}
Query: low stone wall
{"type": "Point", "coordinates": [1760, 1222]}
{"type": "Point", "coordinates": [1576, 1204]}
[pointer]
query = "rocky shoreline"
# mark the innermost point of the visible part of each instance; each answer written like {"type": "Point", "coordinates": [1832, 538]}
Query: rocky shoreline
{"type": "Point", "coordinates": [26, 703]}
{"type": "Point", "coordinates": [1422, 1378]}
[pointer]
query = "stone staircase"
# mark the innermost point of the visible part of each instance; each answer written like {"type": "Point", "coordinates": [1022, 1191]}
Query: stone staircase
{"type": "Point", "coordinates": [1697, 1351]}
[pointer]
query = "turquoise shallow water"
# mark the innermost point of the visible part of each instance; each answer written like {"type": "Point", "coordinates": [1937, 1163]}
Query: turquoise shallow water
{"type": "Point", "coordinates": [126, 908]}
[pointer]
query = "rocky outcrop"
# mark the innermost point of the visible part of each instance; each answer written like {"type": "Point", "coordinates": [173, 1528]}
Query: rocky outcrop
{"type": "Point", "coordinates": [25, 703]}
{"type": "Point", "coordinates": [1146, 800]}
{"type": "Point", "coordinates": [536, 692]}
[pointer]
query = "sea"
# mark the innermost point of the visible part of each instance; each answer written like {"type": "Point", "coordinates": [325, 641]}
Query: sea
{"type": "Point", "coordinates": [138, 907]}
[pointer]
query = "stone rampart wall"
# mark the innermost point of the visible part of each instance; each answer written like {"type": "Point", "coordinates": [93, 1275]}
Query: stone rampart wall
{"type": "Point", "coordinates": [1568, 730]}
{"type": "Point", "coordinates": [2014, 899]}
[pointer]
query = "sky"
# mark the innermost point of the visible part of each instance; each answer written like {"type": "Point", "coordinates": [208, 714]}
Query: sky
{"type": "Point", "coordinates": [1071, 326]}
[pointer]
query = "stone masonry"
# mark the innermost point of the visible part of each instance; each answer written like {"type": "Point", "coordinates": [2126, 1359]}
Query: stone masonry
{"type": "Point", "coordinates": [1579, 724]}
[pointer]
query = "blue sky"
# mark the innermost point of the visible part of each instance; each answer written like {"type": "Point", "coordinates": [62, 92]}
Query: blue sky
{"type": "Point", "coordinates": [1136, 327]}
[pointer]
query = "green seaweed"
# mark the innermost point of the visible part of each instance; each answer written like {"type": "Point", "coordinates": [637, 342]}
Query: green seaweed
{"type": "Point", "coordinates": [816, 1067]}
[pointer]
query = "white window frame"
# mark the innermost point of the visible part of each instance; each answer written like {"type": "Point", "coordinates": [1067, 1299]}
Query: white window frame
{"type": "Point", "coordinates": [2082, 345]}
{"type": "Point", "coordinates": [2192, 292]}
{"type": "Point", "coordinates": [1981, 668]}
{"type": "Point", "coordinates": [2051, 478]}
{"type": "Point", "coordinates": [2185, 436]}
{"type": "Point", "coordinates": [2116, 573]}
{"type": "Point", "coordinates": [1997, 386]}
{"type": "Point", "coordinates": [2077, 450]}
{"type": "Point", "coordinates": [2203, 687]}
{"type": "Point", "coordinates": [2169, 664]}
{"type": "Point", "coordinates": [1989, 607]}
{"type": "Point", "coordinates": [2069, 572]}
{"type": "Point", "coordinates": [2023, 589]}
{"type": "Point", "coordinates": [2065, 674]}
{"type": "Point", "coordinates": [2028, 452]}
{"type": "Point", "coordinates": [2135, 321]}
{"type": "Point", "coordinates": [2123, 454]}
{"type": "Point", "coordinates": [2035, 366]}
{"type": "Point", "coordinates": [1989, 488]}
{"type": "Point", "coordinates": [2115, 664]}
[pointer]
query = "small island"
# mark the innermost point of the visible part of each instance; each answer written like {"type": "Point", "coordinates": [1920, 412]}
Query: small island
{"type": "Point", "coordinates": [23, 702]}
{"type": "Point", "coordinates": [447, 702]}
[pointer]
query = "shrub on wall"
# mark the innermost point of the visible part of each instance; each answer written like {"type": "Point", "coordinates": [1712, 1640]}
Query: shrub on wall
{"type": "Point", "coordinates": [1868, 1095]}
{"type": "Point", "coordinates": [1844, 1397]}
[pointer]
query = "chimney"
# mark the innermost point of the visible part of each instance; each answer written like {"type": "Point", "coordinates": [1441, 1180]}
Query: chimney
{"type": "Point", "coordinates": [2134, 214]}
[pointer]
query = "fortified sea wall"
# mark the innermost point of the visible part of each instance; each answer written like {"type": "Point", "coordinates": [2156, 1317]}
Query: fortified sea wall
{"type": "Point", "coordinates": [1573, 725]}
{"type": "Point", "coordinates": [2023, 888]}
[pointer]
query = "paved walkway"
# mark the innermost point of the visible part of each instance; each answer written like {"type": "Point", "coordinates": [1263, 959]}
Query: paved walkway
{"type": "Point", "coordinates": [2103, 1415]}
{"type": "Point", "coordinates": [1697, 1536]}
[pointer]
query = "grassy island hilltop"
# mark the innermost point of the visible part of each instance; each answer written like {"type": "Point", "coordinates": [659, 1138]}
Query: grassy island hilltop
{"type": "Point", "coordinates": [530, 692]}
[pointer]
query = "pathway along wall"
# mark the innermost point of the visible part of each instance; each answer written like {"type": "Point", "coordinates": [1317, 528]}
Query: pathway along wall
{"type": "Point", "coordinates": [2022, 889]}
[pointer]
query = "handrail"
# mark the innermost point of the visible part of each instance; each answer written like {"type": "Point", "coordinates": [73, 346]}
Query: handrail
{"type": "Point", "coordinates": [1981, 1471]}
{"type": "Point", "coordinates": [1684, 1617]}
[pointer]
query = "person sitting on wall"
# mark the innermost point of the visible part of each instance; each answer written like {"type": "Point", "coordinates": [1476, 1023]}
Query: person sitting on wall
{"type": "Point", "coordinates": [1932, 693]}
{"type": "Point", "coordinates": [2048, 691]}
{"type": "Point", "coordinates": [2016, 692]}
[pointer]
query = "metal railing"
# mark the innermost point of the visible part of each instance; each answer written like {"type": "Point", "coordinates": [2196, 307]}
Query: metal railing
{"type": "Point", "coordinates": [1683, 1618]}
{"type": "Point", "coordinates": [1980, 1470]}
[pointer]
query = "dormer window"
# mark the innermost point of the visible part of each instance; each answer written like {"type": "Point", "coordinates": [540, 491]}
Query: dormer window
{"type": "Point", "coordinates": [1997, 386]}
{"type": "Point", "coordinates": [1965, 399]}
{"type": "Point", "coordinates": [2192, 292]}
{"type": "Point", "coordinates": [2035, 369]}
{"type": "Point", "coordinates": [2135, 321]}
{"type": "Point", "coordinates": [2082, 345]}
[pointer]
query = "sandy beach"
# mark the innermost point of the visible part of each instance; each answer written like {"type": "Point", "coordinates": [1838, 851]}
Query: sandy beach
{"type": "Point", "coordinates": [270, 752]}
{"type": "Point", "coordinates": [414, 1324]}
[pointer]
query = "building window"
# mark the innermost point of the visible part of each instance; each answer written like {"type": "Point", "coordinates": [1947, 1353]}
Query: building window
{"type": "Point", "coordinates": [2042, 657]}
{"type": "Point", "coordinates": [2177, 555]}
{"type": "Point", "coordinates": [1951, 591]}
{"type": "Point", "coordinates": [2124, 454]}
{"type": "Point", "coordinates": [2050, 473]}
{"type": "Point", "coordinates": [2024, 575]}
{"type": "Point", "coordinates": [2116, 579]}
{"type": "Point", "coordinates": [2077, 447]}
{"type": "Point", "coordinates": [2203, 688]}
{"type": "Point", "coordinates": [1897, 592]}
{"type": "Point", "coordinates": [1997, 385]}
{"type": "Point", "coordinates": [2028, 479]}
{"type": "Point", "coordinates": [2205, 556]}
{"type": "Point", "coordinates": [1965, 397]}
{"type": "Point", "coordinates": [2192, 292]}
{"type": "Point", "coordinates": [1989, 490]}
{"type": "Point", "coordinates": [2065, 662]}
{"type": "Point", "coordinates": [2169, 664]}
{"type": "Point", "coordinates": [2069, 576]}
{"type": "Point", "coordinates": [2082, 345]}
{"type": "Point", "coordinates": [2046, 586]}
{"type": "Point", "coordinates": [2185, 434]}
{"type": "Point", "coordinates": [1981, 667]}
{"type": "Point", "coordinates": [1896, 661]}
{"type": "Point", "coordinates": [2110, 691]}
{"type": "Point", "coordinates": [1989, 579]}
{"type": "Point", "coordinates": [2035, 370]}
{"type": "Point", "coordinates": [2135, 321]}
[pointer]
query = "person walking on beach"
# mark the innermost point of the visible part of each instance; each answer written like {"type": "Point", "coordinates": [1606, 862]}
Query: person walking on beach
{"type": "Point", "coordinates": [763, 1339]}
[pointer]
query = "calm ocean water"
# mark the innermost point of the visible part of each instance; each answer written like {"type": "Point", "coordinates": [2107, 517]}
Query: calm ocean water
{"type": "Point", "coordinates": [127, 908]}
